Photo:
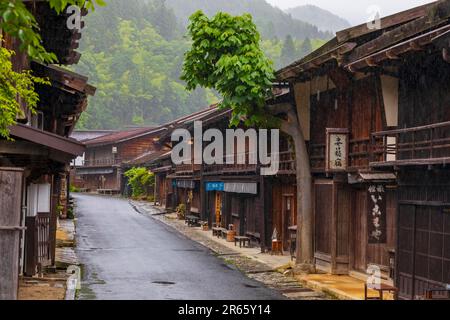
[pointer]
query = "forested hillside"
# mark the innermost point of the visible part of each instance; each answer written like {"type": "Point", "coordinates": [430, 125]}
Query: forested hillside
{"type": "Point", "coordinates": [271, 22]}
{"type": "Point", "coordinates": [133, 52]}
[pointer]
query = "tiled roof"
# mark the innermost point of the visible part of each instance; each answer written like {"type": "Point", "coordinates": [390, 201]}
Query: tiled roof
{"type": "Point", "coordinates": [161, 131]}
{"type": "Point", "coordinates": [360, 43]}
{"type": "Point", "coordinates": [121, 136]}
{"type": "Point", "coordinates": [147, 157]}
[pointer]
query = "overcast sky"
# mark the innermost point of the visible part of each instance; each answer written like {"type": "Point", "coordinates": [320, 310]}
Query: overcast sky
{"type": "Point", "coordinates": [355, 11]}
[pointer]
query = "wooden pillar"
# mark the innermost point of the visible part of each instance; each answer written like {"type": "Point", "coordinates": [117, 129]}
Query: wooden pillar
{"type": "Point", "coordinates": [262, 213]}
{"type": "Point", "coordinates": [11, 180]}
{"type": "Point", "coordinates": [156, 194]}
{"type": "Point", "coordinates": [31, 247]}
{"type": "Point", "coordinates": [56, 188]}
{"type": "Point", "coordinates": [203, 211]}
{"type": "Point", "coordinates": [268, 209]}
{"type": "Point", "coordinates": [119, 179]}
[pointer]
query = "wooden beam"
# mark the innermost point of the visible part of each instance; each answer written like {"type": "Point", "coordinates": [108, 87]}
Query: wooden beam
{"type": "Point", "coordinates": [392, 56]}
{"type": "Point", "coordinates": [340, 77]}
{"type": "Point", "coordinates": [21, 148]}
{"type": "Point", "coordinates": [335, 53]}
{"type": "Point", "coordinates": [47, 139]}
{"type": "Point", "coordinates": [398, 49]}
{"type": "Point", "coordinates": [386, 22]}
{"type": "Point", "coordinates": [405, 31]}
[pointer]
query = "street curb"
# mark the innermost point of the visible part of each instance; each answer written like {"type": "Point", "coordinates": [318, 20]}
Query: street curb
{"type": "Point", "coordinates": [338, 294]}
{"type": "Point", "coordinates": [72, 292]}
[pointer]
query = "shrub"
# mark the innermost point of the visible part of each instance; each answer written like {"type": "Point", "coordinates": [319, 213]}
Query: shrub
{"type": "Point", "coordinates": [72, 188]}
{"type": "Point", "coordinates": [70, 213]}
{"type": "Point", "coordinates": [140, 180]}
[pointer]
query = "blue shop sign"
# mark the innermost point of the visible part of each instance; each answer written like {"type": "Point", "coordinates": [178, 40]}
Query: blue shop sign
{"type": "Point", "coordinates": [215, 186]}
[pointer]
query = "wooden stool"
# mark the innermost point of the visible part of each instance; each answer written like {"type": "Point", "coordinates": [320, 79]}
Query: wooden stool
{"type": "Point", "coordinates": [277, 247]}
{"type": "Point", "coordinates": [381, 289]}
{"type": "Point", "coordinates": [241, 240]}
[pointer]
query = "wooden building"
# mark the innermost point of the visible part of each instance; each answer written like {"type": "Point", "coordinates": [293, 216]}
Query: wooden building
{"type": "Point", "coordinates": [107, 155]}
{"type": "Point", "coordinates": [372, 106]}
{"type": "Point", "coordinates": [182, 183]}
{"type": "Point", "coordinates": [229, 194]}
{"type": "Point", "coordinates": [34, 166]}
{"type": "Point", "coordinates": [162, 167]}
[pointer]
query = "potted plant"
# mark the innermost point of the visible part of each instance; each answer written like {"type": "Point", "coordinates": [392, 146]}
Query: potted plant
{"type": "Point", "coordinates": [181, 211]}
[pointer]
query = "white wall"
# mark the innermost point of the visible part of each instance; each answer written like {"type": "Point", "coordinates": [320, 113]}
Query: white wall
{"type": "Point", "coordinates": [39, 199]}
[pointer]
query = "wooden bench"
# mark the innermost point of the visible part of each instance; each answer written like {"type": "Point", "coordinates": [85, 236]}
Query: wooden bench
{"type": "Point", "coordinates": [254, 236]}
{"type": "Point", "coordinates": [241, 240]}
{"type": "Point", "coordinates": [437, 294]}
{"type": "Point", "coordinates": [192, 221]}
{"type": "Point", "coordinates": [224, 233]}
{"type": "Point", "coordinates": [108, 191]}
{"type": "Point", "coordinates": [381, 289]}
{"type": "Point", "coordinates": [217, 231]}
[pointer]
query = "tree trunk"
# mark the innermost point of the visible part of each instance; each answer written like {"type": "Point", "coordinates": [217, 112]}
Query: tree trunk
{"type": "Point", "coordinates": [305, 248]}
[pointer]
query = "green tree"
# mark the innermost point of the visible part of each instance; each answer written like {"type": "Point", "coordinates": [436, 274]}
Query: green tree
{"type": "Point", "coordinates": [305, 48]}
{"type": "Point", "coordinates": [288, 53]}
{"type": "Point", "coordinates": [18, 22]}
{"type": "Point", "coordinates": [165, 20]}
{"type": "Point", "coordinates": [226, 56]}
{"type": "Point", "coordinates": [13, 85]}
{"type": "Point", "coordinates": [135, 67]}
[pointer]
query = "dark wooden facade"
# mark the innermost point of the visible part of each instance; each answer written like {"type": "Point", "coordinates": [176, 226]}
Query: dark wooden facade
{"type": "Point", "coordinates": [341, 229]}
{"type": "Point", "coordinates": [107, 157]}
{"type": "Point", "coordinates": [41, 149]}
{"type": "Point", "coordinates": [420, 151]}
{"type": "Point", "coordinates": [388, 89]}
{"type": "Point", "coordinates": [224, 194]}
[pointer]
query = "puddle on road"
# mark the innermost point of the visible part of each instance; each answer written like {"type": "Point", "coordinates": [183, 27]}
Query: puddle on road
{"type": "Point", "coordinates": [164, 283]}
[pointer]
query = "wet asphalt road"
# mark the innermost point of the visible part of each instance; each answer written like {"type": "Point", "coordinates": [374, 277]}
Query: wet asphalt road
{"type": "Point", "coordinates": [126, 255]}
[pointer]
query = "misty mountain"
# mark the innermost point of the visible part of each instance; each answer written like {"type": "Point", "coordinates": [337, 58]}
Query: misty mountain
{"type": "Point", "coordinates": [271, 21]}
{"type": "Point", "coordinates": [323, 19]}
{"type": "Point", "coordinates": [133, 52]}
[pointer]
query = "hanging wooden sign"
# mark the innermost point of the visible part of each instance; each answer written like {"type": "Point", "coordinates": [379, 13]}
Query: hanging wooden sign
{"type": "Point", "coordinates": [376, 218]}
{"type": "Point", "coordinates": [337, 147]}
{"type": "Point", "coordinates": [218, 208]}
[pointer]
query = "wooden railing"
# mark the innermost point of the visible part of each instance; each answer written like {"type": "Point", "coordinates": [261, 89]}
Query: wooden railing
{"type": "Point", "coordinates": [187, 168]}
{"type": "Point", "coordinates": [247, 163]}
{"type": "Point", "coordinates": [102, 162]}
{"type": "Point", "coordinates": [244, 166]}
{"type": "Point", "coordinates": [286, 164]}
{"type": "Point", "coordinates": [428, 144]}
